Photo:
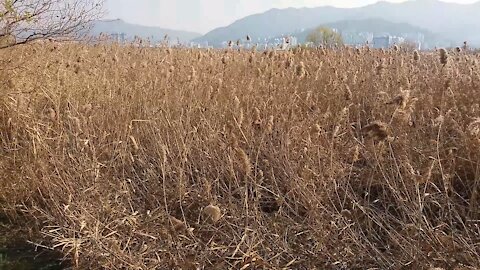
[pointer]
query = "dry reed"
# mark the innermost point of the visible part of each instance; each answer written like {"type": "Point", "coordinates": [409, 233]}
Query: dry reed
{"type": "Point", "coordinates": [115, 160]}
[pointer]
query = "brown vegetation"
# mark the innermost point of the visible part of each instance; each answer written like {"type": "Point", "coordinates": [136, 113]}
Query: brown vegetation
{"type": "Point", "coordinates": [142, 158]}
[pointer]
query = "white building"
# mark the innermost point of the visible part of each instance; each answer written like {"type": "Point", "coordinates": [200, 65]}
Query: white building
{"type": "Point", "coordinates": [387, 41]}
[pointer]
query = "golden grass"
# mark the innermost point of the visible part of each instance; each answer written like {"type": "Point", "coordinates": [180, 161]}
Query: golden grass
{"type": "Point", "coordinates": [303, 159]}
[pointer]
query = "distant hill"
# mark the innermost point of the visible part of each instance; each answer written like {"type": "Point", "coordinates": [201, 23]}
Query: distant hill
{"type": "Point", "coordinates": [456, 22]}
{"type": "Point", "coordinates": [132, 30]}
{"type": "Point", "coordinates": [378, 27]}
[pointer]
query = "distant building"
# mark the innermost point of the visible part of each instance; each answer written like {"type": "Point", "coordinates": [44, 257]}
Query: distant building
{"type": "Point", "coordinates": [416, 39]}
{"type": "Point", "coordinates": [199, 45]}
{"type": "Point", "coordinates": [397, 40]}
{"type": "Point", "coordinates": [119, 37]}
{"type": "Point", "coordinates": [354, 38]}
{"type": "Point", "coordinates": [381, 42]}
{"type": "Point", "coordinates": [288, 42]}
{"type": "Point", "coordinates": [387, 41]}
{"type": "Point", "coordinates": [293, 41]}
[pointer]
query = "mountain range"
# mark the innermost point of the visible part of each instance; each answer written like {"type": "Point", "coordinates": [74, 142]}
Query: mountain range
{"type": "Point", "coordinates": [131, 30]}
{"type": "Point", "coordinates": [443, 23]}
{"type": "Point", "coordinates": [455, 22]}
{"type": "Point", "coordinates": [352, 31]}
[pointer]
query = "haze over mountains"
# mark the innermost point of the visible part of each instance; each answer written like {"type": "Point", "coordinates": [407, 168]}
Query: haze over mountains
{"type": "Point", "coordinates": [131, 30]}
{"type": "Point", "coordinates": [448, 22]}
{"type": "Point", "coordinates": [376, 27]}
{"type": "Point", "coordinates": [454, 22]}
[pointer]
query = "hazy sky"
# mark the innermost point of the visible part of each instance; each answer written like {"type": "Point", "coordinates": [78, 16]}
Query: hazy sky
{"type": "Point", "coordinates": [204, 15]}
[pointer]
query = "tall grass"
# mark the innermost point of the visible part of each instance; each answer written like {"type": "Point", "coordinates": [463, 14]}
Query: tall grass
{"type": "Point", "coordinates": [144, 158]}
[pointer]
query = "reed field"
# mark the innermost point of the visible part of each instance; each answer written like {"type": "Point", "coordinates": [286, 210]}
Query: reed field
{"type": "Point", "coordinates": [123, 157]}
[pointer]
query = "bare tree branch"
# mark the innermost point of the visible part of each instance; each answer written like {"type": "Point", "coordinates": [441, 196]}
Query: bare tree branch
{"type": "Point", "coordinates": [24, 21]}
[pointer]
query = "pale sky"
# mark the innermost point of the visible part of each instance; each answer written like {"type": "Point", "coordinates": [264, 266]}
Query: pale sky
{"type": "Point", "coordinates": [205, 15]}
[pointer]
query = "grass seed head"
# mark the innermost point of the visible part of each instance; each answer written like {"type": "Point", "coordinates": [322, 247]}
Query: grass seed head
{"type": "Point", "coordinates": [474, 128]}
{"type": "Point", "coordinates": [52, 114]}
{"type": "Point", "coordinates": [244, 161]}
{"type": "Point", "coordinates": [256, 117]}
{"type": "Point", "coordinates": [177, 224]}
{"type": "Point", "coordinates": [134, 143]}
{"type": "Point", "coordinates": [443, 56]}
{"type": "Point", "coordinates": [377, 130]}
{"type": "Point", "coordinates": [251, 58]}
{"type": "Point", "coordinates": [400, 100]}
{"type": "Point", "coordinates": [300, 70]}
{"type": "Point", "coordinates": [270, 124]}
{"type": "Point", "coordinates": [416, 55]}
{"type": "Point", "coordinates": [212, 213]}
{"type": "Point", "coordinates": [348, 93]}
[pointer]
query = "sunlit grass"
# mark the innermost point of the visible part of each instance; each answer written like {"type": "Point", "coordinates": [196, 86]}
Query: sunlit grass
{"type": "Point", "coordinates": [145, 158]}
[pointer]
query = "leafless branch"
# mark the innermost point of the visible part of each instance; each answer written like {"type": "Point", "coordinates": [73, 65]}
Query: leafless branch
{"type": "Point", "coordinates": [24, 21]}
